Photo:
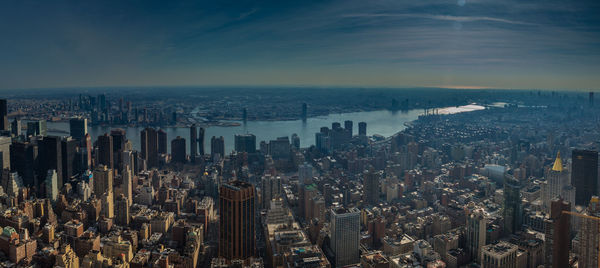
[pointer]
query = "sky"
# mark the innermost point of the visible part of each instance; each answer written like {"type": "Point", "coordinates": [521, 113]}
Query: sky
{"type": "Point", "coordinates": [526, 44]}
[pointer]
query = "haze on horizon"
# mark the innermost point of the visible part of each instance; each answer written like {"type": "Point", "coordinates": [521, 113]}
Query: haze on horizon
{"type": "Point", "coordinates": [466, 43]}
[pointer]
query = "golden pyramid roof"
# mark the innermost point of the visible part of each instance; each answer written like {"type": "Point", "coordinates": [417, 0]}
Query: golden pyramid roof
{"type": "Point", "coordinates": [558, 163]}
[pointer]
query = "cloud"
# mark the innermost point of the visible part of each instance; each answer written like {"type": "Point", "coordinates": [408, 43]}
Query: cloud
{"type": "Point", "coordinates": [438, 17]}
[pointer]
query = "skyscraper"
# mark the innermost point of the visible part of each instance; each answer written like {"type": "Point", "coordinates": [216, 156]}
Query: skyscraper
{"type": "Point", "coordinates": [15, 127]}
{"type": "Point", "coordinates": [5, 143]}
{"type": "Point", "coordinates": [201, 141]}
{"type": "Point", "coordinates": [557, 234]}
{"type": "Point", "coordinates": [557, 184]}
{"type": "Point", "coordinates": [304, 111]}
{"type": "Point", "coordinates": [37, 128]}
{"type": "Point", "coordinates": [178, 150]}
{"type": "Point", "coordinates": [162, 141]}
{"type": "Point", "coordinates": [512, 205]}
{"type": "Point", "coordinates": [237, 227]}
{"type": "Point", "coordinates": [103, 180]}
{"type": "Point", "coordinates": [3, 115]}
{"type": "Point", "coordinates": [217, 146]}
{"type": "Point", "coordinates": [589, 236]}
{"type": "Point", "coordinates": [149, 145]}
{"type": "Point", "coordinates": [78, 128]}
{"type": "Point", "coordinates": [193, 143]}
{"type": "Point", "coordinates": [348, 126]}
{"type": "Point", "coordinates": [371, 187]}
{"type": "Point", "coordinates": [105, 151]}
{"type": "Point", "coordinates": [270, 189]}
{"type": "Point", "coordinates": [345, 236]}
{"type": "Point", "coordinates": [50, 157]}
{"type": "Point", "coordinates": [69, 158]}
{"type": "Point", "coordinates": [245, 143]}
{"type": "Point", "coordinates": [122, 210]}
{"type": "Point", "coordinates": [584, 175]}
{"type": "Point", "coordinates": [476, 233]}
{"type": "Point", "coordinates": [362, 128]}
{"type": "Point", "coordinates": [51, 185]}
{"type": "Point", "coordinates": [23, 160]}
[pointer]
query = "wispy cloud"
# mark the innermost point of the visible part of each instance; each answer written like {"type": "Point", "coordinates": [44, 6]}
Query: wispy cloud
{"type": "Point", "coordinates": [437, 17]}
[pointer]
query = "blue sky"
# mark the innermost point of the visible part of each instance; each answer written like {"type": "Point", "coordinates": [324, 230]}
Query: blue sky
{"type": "Point", "coordinates": [462, 43]}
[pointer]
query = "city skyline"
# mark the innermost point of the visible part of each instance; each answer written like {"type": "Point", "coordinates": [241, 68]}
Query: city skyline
{"type": "Point", "coordinates": [454, 44]}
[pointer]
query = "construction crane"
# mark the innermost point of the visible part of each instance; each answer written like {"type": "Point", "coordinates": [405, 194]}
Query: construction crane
{"type": "Point", "coordinates": [579, 215]}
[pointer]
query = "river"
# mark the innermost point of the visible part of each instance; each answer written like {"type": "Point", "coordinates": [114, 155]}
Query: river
{"type": "Point", "coordinates": [383, 122]}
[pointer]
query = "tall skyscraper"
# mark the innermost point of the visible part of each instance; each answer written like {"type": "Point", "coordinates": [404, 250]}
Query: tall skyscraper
{"type": "Point", "coordinates": [78, 128]}
{"type": "Point", "coordinates": [589, 236]}
{"type": "Point", "coordinates": [24, 161]}
{"type": "Point", "coordinates": [50, 157]}
{"type": "Point", "coordinates": [103, 180]}
{"type": "Point", "coordinates": [122, 210]}
{"type": "Point", "coordinates": [51, 185]}
{"type": "Point", "coordinates": [149, 145]}
{"type": "Point", "coordinates": [127, 183]}
{"type": "Point", "coordinates": [348, 126]}
{"type": "Point", "coordinates": [162, 141]}
{"type": "Point", "coordinates": [178, 150]}
{"type": "Point", "coordinates": [237, 227]}
{"type": "Point", "coordinates": [558, 183]}
{"type": "Point", "coordinates": [584, 175]}
{"type": "Point", "coordinates": [193, 143]}
{"type": "Point", "coordinates": [15, 127]}
{"type": "Point", "coordinates": [512, 205]}
{"type": "Point", "coordinates": [37, 128]}
{"type": "Point", "coordinates": [362, 128]}
{"type": "Point", "coordinates": [345, 236]}
{"type": "Point", "coordinates": [3, 115]}
{"type": "Point", "coordinates": [105, 151]}
{"type": "Point", "coordinates": [201, 141]}
{"type": "Point", "coordinates": [245, 143]}
{"type": "Point", "coordinates": [69, 158]}
{"type": "Point", "coordinates": [557, 234]}
{"type": "Point", "coordinates": [217, 146]}
{"type": "Point", "coordinates": [476, 233]}
{"type": "Point", "coordinates": [371, 187]}
{"type": "Point", "coordinates": [5, 143]}
{"type": "Point", "coordinates": [270, 189]}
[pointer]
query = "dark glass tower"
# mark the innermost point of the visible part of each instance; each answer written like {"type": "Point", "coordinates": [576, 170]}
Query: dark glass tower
{"type": "Point", "coordinates": [236, 226]}
{"type": "Point", "coordinates": [178, 149]}
{"type": "Point", "coordinates": [512, 205]}
{"type": "Point", "coordinates": [105, 151]}
{"type": "Point", "coordinates": [193, 143]}
{"type": "Point", "coordinates": [584, 175]}
{"type": "Point", "coordinates": [245, 143]}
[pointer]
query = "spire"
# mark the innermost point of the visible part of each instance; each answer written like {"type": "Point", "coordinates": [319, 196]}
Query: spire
{"type": "Point", "coordinates": [557, 163]}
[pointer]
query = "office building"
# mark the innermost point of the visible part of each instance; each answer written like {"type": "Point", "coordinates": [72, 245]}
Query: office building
{"type": "Point", "coordinates": [371, 187]}
{"type": "Point", "coordinates": [51, 185]}
{"type": "Point", "coordinates": [5, 143]}
{"type": "Point", "coordinates": [193, 143]}
{"type": "Point", "coordinates": [78, 128]}
{"type": "Point", "coordinates": [201, 141]}
{"type": "Point", "coordinates": [345, 236]}
{"type": "Point", "coordinates": [217, 147]}
{"type": "Point", "coordinates": [499, 255]}
{"type": "Point", "coordinates": [513, 212]}
{"type": "Point", "coordinates": [245, 143]}
{"type": "Point", "coordinates": [270, 189]}
{"type": "Point", "coordinates": [105, 151]}
{"type": "Point", "coordinates": [237, 227]}
{"type": "Point", "coordinates": [149, 146]}
{"type": "Point", "coordinates": [3, 115]}
{"type": "Point", "coordinates": [476, 233]}
{"type": "Point", "coordinates": [304, 114]}
{"type": "Point", "coordinates": [178, 150]}
{"type": "Point", "coordinates": [23, 160]}
{"type": "Point", "coordinates": [122, 210]}
{"type": "Point", "coordinates": [50, 157]}
{"type": "Point", "coordinates": [558, 183]}
{"type": "Point", "coordinates": [584, 175]}
{"type": "Point", "coordinates": [103, 180]}
{"type": "Point", "coordinates": [162, 141]}
{"type": "Point", "coordinates": [362, 128]}
{"type": "Point", "coordinates": [589, 236]}
{"type": "Point", "coordinates": [557, 234]}
{"type": "Point", "coordinates": [69, 158]}
{"type": "Point", "coordinates": [15, 127]}
{"type": "Point", "coordinates": [37, 128]}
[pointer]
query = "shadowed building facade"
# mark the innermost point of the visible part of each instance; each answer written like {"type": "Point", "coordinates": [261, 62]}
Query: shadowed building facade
{"type": "Point", "coordinates": [236, 226]}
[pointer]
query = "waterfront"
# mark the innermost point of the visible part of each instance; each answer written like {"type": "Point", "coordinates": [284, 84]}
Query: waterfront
{"type": "Point", "coordinates": [382, 122]}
